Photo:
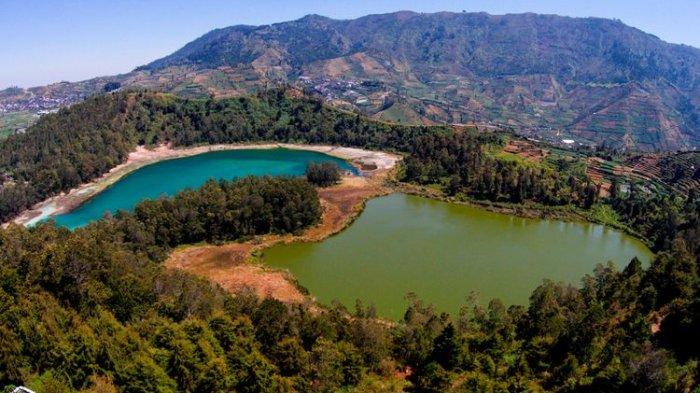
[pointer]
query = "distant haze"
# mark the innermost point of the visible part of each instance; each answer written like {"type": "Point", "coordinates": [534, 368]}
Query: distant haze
{"type": "Point", "coordinates": [46, 42]}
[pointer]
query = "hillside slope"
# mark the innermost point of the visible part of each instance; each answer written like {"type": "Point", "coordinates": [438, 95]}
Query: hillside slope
{"type": "Point", "coordinates": [552, 77]}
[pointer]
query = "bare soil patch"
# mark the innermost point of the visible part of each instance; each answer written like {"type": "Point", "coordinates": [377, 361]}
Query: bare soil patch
{"type": "Point", "coordinates": [228, 266]}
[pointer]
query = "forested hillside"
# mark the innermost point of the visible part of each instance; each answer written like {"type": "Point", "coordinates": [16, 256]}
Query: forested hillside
{"type": "Point", "coordinates": [94, 309]}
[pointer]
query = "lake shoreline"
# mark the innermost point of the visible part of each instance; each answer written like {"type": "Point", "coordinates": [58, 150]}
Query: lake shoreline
{"type": "Point", "coordinates": [446, 226]}
{"type": "Point", "coordinates": [240, 266]}
{"type": "Point", "coordinates": [363, 160]}
{"type": "Point", "coordinates": [535, 211]}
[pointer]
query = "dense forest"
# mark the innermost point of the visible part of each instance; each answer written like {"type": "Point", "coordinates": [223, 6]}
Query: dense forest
{"type": "Point", "coordinates": [93, 309]}
{"type": "Point", "coordinates": [460, 158]}
{"type": "Point", "coordinates": [224, 210]}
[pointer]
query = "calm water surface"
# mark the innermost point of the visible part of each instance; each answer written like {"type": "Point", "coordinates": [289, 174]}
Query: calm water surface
{"type": "Point", "coordinates": [169, 177]}
{"type": "Point", "coordinates": [443, 251]}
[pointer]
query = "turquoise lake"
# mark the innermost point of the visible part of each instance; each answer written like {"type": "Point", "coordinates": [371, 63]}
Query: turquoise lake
{"type": "Point", "coordinates": [166, 178]}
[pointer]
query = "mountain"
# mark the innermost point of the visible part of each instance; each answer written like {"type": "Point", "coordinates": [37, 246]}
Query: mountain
{"type": "Point", "coordinates": [588, 79]}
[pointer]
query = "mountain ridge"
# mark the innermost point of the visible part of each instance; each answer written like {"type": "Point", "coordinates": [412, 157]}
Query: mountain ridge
{"type": "Point", "coordinates": [594, 80]}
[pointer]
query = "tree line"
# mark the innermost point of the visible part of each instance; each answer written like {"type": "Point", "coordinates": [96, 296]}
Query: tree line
{"type": "Point", "coordinates": [459, 161]}
{"type": "Point", "coordinates": [223, 210]}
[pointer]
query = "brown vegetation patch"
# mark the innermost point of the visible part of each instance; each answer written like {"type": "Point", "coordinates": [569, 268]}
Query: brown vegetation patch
{"type": "Point", "coordinates": [341, 204]}
{"type": "Point", "coordinates": [593, 169]}
{"type": "Point", "coordinates": [435, 111]}
{"type": "Point", "coordinates": [647, 165]}
{"type": "Point", "coordinates": [604, 189]}
{"type": "Point", "coordinates": [370, 66]}
{"type": "Point", "coordinates": [228, 266]}
{"type": "Point", "coordinates": [599, 175]}
{"type": "Point", "coordinates": [656, 319]}
{"type": "Point", "coordinates": [200, 78]}
{"type": "Point", "coordinates": [335, 68]}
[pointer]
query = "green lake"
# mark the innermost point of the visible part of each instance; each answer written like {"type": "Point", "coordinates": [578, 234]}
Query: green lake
{"type": "Point", "coordinates": [443, 251]}
{"type": "Point", "coordinates": [168, 177]}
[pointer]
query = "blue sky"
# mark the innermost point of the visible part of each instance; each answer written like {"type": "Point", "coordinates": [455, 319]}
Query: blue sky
{"type": "Point", "coordinates": [51, 40]}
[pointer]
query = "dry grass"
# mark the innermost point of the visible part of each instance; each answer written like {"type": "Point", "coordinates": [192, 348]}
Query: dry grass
{"type": "Point", "coordinates": [228, 266]}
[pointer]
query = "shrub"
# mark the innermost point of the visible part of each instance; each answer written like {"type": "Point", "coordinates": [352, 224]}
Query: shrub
{"type": "Point", "coordinates": [323, 174]}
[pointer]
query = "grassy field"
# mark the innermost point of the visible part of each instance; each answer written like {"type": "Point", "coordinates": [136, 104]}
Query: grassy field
{"type": "Point", "coordinates": [11, 120]}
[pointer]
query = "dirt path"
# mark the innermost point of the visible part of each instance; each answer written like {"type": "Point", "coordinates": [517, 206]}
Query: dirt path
{"type": "Point", "coordinates": [365, 160]}
{"type": "Point", "coordinates": [234, 267]}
